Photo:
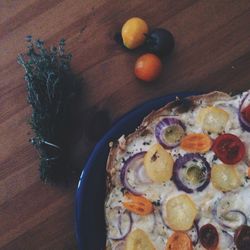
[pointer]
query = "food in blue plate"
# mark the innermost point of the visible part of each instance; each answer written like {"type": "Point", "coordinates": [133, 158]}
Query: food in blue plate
{"type": "Point", "coordinates": [181, 180]}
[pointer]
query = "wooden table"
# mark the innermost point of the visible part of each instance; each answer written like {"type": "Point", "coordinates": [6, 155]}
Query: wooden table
{"type": "Point", "coordinates": [212, 52]}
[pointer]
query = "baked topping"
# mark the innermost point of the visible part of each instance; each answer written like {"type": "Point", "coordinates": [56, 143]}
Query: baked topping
{"type": "Point", "coordinates": [158, 164]}
{"type": "Point", "coordinates": [191, 173]}
{"type": "Point", "coordinates": [179, 240]}
{"type": "Point", "coordinates": [244, 112]}
{"type": "Point", "coordinates": [225, 177]}
{"type": "Point", "coordinates": [138, 204]}
{"type": "Point", "coordinates": [181, 212]}
{"type": "Point", "coordinates": [213, 119]}
{"type": "Point", "coordinates": [138, 239]}
{"type": "Point", "coordinates": [229, 148]}
{"type": "Point", "coordinates": [196, 143]}
{"type": "Point", "coordinates": [169, 132]}
{"type": "Point", "coordinates": [209, 236]}
{"type": "Point", "coordinates": [242, 237]}
{"type": "Point", "coordinates": [133, 175]}
{"type": "Point", "coordinates": [184, 185]}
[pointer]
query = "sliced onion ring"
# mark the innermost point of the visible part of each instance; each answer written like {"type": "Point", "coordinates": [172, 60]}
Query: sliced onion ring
{"type": "Point", "coordinates": [120, 223]}
{"type": "Point", "coordinates": [134, 165]}
{"type": "Point", "coordinates": [245, 124]}
{"type": "Point", "coordinates": [160, 131]}
{"type": "Point", "coordinates": [183, 166]}
{"type": "Point", "coordinates": [224, 219]}
{"type": "Point", "coordinates": [229, 223]}
{"type": "Point", "coordinates": [141, 175]}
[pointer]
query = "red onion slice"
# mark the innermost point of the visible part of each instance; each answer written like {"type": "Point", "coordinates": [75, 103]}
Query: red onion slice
{"type": "Point", "coordinates": [230, 219]}
{"type": "Point", "coordinates": [169, 123]}
{"type": "Point", "coordinates": [183, 176]}
{"type": "Point", "coordinates": [134, 169]}
{"type": "Point", "coordinates": [233, 219]}
{"type": "Point", "coordinates": [120, 223]}
{"type": "Point", "coordinates": [244, 124]}
{"type": "Point", "coordinates": [141, 175]}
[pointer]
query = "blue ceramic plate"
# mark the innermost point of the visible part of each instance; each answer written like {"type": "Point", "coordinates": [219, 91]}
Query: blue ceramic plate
{"type": "Point", "coordinates": [90, 195]}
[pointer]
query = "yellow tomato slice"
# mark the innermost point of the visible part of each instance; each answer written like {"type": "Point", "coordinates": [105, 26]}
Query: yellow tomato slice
{"type": "Point", "coordinates": [213, 119]}
{"type": "Point", "coordinates": [158, 164]}
{"type": "Point", "coordinates": [180, 212]}
{"type": "Point", "coordinates": [225, 177]}
{"type": "Point", "coordinates": [138, 240]}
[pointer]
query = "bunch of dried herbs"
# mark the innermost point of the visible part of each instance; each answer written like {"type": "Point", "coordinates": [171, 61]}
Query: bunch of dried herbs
{"type": "Point", "coordinates": [51, 87]}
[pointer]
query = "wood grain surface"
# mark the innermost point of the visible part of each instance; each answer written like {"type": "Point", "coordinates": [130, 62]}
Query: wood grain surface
{"type": "Point", "coordinates": [212, 53]}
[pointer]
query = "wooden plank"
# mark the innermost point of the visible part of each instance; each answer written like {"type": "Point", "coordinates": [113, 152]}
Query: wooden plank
{"type": "Point", "coordinates": [212, 52]}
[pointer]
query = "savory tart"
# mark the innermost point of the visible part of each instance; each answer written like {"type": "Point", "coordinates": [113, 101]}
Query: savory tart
{"type": "Point", "coordinates": [181, 181]}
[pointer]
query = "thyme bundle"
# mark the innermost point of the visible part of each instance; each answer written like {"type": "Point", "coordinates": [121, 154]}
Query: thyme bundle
{"type": "Point", "coordinates": [51, 85]}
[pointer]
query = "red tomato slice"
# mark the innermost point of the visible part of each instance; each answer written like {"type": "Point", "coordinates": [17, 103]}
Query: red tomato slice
{"type": "Point", "coordinates": [229, 148]}
{"type": "Point", "coordinates": [242, 237]}
{"type": "Point", "coordinates": [246, 113]}
{"type": "Point", "coordinates": [209, 236]}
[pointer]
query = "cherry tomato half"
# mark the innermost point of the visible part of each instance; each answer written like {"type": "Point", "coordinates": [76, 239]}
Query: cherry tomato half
{"type": "Point", "coordinates": [246, 113]}
{"type": "Point", "coordinates": [242, 237]}
{"type": "Point", "coordinates": [209, 236]}
{"type": "Point", "coordinates": [179, 240]}
{"type": "Point", "coordinates": [148, 67]}
{"type": "Point", "coordinates": [229, 148]}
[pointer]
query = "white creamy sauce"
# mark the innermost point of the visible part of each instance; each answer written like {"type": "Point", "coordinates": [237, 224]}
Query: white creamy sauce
{"type": "Point", "coordinates": [205, 200]}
